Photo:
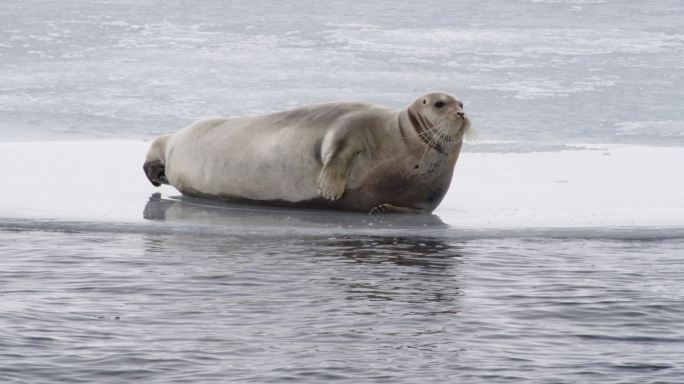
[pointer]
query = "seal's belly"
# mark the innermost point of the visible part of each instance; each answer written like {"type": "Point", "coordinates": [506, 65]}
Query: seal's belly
{"type": "Point", "coordinates": [245, 162]}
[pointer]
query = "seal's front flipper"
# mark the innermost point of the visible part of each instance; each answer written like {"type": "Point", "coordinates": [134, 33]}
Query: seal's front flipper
{"type": "Point", "coordinates": [337, 156]}
{"type": "Point", "coordinates": [389, 208]}
{"type": "Point", "coordinates": [332, 180]}
{"type": "Point", "coordinates": [154, 170]}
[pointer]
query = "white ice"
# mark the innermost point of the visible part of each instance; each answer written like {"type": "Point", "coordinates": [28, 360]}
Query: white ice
{"type": "Point", "coordinates": [601, 186]}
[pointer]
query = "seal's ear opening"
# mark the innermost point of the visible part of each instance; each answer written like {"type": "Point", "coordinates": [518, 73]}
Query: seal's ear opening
{"type": "Point", "coordinates": [154, 170]}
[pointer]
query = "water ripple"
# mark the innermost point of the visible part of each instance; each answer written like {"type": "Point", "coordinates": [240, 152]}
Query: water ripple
{"type": "Point", "coordinates": [159, 308]}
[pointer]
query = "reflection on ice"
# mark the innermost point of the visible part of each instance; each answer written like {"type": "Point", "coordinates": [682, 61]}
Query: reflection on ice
{"type": "Point", "coordinates": [187, 210]}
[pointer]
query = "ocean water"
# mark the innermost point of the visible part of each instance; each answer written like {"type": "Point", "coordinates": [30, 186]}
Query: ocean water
{"type": "Point", "coordinates": [539, 72]}
{"type": "Point", "coordinates": [188, 292]}
{"type": "Point", "coordinates": [159, 308]}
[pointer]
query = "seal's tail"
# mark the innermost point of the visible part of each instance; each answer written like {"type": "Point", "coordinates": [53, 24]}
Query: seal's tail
{"type": "Point", "coordinates": [155, 162]}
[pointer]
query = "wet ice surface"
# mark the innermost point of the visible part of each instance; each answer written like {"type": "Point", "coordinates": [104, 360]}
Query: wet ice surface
{"type": "Point", "coordinates": [531, 71]}
{"type": "Point", "coordinates": [155, 308]}
{"type": "Point", "coordinates": [597, 186]}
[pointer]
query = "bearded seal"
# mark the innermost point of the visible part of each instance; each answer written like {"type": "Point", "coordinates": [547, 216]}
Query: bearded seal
{"type": "Point", "coordinates": [342, 156]}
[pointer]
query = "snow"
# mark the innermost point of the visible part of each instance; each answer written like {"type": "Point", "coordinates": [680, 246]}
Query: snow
{"type": "Point", "coordinates": [599, 186]}
{"type": "Point", "coordinates": [602, 186]}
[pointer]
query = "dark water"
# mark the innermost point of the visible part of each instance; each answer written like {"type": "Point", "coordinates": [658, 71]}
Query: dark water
{"type": "Point", "coordinates": [103, 307]}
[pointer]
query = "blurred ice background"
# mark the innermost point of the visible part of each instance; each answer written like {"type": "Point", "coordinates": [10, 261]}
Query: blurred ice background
{"type": "Point", "coordinates": [535, 72]}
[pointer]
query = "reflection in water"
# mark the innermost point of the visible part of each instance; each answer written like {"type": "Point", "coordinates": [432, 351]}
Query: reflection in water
{"type": "Point", "coordinates": [404, 251]}
{"type": "Point", "coordinates": [187, 210]}
{"type": "Point", "coordinates": [335, 261]}
{"type": "Point", "coordinates": [418, 270]}
{"type": "Point", "coordinates": [362, 268]}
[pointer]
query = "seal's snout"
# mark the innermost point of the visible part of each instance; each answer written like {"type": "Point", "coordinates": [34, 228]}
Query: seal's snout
{"type": "Point", "coordinates": [460, 114]}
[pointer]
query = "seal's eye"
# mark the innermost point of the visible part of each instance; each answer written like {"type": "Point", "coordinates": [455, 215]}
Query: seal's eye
{"type": "Point", "coordinates": [424, 101]}
{"type": "Point", "coordinates": [439, 104]}
{"type": "Point", "coordinates": [460, 104]}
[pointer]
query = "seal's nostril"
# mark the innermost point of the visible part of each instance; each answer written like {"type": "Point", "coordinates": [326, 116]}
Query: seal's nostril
{"type": "Point", "coordinates": [461, 114]}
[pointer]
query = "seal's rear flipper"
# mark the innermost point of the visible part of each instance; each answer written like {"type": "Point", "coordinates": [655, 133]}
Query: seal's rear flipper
{"type": "Point", "coordinates": [155, 163]}
{"type": "Point", "coordinates": [154, 170]}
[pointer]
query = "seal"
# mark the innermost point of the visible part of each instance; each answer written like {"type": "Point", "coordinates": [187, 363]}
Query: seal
{"type": "Point", "coordinates": [342, 156]}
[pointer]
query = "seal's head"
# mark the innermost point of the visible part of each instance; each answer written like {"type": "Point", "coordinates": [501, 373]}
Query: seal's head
{"type": "Point", "coordinates": [439, 120]}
